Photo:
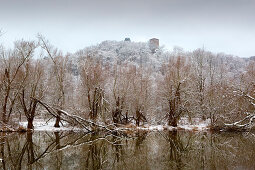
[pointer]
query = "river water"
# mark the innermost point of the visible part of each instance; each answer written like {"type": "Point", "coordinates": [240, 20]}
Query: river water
{"type": "Point", "coordinates": [140, 150]}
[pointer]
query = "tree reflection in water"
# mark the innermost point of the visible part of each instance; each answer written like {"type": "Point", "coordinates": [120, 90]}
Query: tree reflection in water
{"type": "Point", "coordinates": [177, 149]}
{"type": "Point", "coordinates": [139, 150]}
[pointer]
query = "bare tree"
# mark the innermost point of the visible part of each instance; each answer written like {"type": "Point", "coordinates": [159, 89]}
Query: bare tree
{"type": "Point", "coordinates": [199, 64]}
{"type": "Point", "coordinates": [120, 89]}
{"type": "Point", "coordinates": [172, 88]}
{"type": "Point", "coordinates": [92, 81]}
{"type": "Point", "coordinates": [12, 62]}
{"type": "Point", "coordinates": [59, 69]}
{"type": "Point", "coordinates": [59, 74]}
{"type": "Point", "coordinates": [32, 88]}
{"type": "Point", "coordinates": [141, 91]}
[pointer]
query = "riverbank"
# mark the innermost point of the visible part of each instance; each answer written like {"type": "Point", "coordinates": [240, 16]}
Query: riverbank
{"type": "Point", "coordinates": [184, 124]}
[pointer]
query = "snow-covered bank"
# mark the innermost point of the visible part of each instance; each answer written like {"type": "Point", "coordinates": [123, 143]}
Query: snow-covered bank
{"type": "Point", "coordinates": [197, 125]}
{"type": "Point", "coordinates": [200, 127]}
{"type": "Point", "coordinates": [40, 125]}
{"type": "Point", "coordinates": [184, 124]}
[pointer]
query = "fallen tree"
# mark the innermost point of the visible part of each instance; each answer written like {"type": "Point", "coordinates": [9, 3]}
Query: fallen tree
{"type": "Point", "coordinates": [60, 114]}
{"type": "Point", "coordinates": [245, 124]}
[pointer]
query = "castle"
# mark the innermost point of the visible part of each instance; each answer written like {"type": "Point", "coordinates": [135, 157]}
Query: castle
{"type": "Point", "coordinates": [153, 43]}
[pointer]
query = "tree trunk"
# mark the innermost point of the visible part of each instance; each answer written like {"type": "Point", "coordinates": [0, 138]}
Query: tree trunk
{"type": "Point", "coordinates": [137, 117]}
{"type": "Point", "coordinates": [173, 122]}
{"type": "Point", "coordinates": [4, 110]}
{"type": "Point", "coordinates": [57, 120]}
{"type": "Point", "coordinates": [30, 123]}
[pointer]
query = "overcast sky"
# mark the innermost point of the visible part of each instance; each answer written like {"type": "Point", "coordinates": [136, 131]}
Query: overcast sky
{"type": "Point", "coordinates": [218, 25]}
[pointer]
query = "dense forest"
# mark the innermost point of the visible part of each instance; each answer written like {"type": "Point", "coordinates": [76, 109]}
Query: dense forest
{"type": "Point", "coordinates": [123, 82]}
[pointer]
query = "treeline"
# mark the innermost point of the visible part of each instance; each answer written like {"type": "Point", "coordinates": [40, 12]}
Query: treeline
{"type": "Point", "coordinates": [125, 82]}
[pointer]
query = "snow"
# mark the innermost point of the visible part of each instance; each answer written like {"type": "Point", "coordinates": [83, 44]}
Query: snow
{"type": "Point", "coordinates": [184, 124]}
{"type": "Point", "coordinates": [198, 125]}
{"type": "Point", "coordinates": [41, 125]}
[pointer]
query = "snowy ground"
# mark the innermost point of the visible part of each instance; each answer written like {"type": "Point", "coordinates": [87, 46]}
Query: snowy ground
{"type": "Point", "coordinates": [197, 125]}
{"type": "Point", "coordinates": [41, 125]}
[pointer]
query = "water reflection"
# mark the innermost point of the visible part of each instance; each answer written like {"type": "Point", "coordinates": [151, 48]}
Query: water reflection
{"type": "Point", "coordinates": [140, 150]}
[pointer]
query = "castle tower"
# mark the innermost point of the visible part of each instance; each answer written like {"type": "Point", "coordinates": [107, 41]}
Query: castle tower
{"type": "Point", "coordinates": [154, 44]}
{"type": "Point", "coordinates": [127, 39]}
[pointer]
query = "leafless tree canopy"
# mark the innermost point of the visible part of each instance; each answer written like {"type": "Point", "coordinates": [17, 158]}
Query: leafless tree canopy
{"type": "Point", "coordinates": [124, 83]}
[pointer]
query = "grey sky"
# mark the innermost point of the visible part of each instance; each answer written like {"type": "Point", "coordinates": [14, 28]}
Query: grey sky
{"type": "Point", "coordinates": [218, 25]}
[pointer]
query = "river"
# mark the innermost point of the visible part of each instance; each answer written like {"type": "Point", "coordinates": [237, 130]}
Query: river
{"type": "Point", "coordinates": [134, 150]}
